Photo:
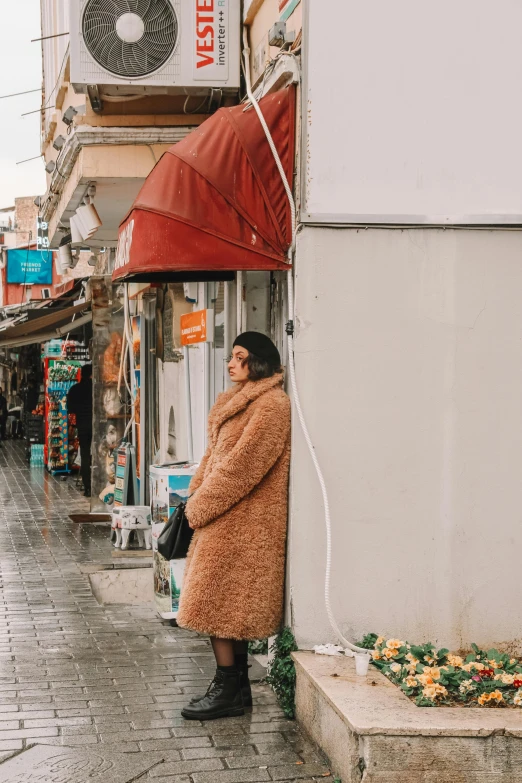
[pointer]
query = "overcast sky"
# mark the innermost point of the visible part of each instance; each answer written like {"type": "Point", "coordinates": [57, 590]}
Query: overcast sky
{"type": "Point", "coordinates": [20, 69]}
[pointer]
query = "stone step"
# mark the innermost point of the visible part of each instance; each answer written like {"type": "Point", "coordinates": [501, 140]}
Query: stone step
{"type": "Point", "coordinates": [372, 733]}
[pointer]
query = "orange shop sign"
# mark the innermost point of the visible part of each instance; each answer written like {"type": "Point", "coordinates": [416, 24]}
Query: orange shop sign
{"type": "Point", "coordinates": [197, 327]}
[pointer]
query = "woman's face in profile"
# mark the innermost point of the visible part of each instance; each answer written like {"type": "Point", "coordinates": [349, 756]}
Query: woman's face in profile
{"type": "Point", "coordinates": [238, 373]}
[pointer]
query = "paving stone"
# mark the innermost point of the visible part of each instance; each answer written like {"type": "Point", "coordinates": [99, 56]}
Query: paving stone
{"type": "Point", "coordinates": [187, 767]}
{"type": "Point", "coordinates": [294, 771]}
{"type": "Point", "coordinates": [47, 763]}
{"type": "Point", "coordinates": [232, 776]}
{"type": "Point", "coordinates": [277, 757]}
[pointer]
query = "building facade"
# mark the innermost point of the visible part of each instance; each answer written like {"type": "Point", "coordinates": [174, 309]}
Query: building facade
{"type": "Point", "coordinates": [407, 321]}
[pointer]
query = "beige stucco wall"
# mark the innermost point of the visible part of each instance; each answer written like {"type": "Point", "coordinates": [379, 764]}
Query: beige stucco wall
{"type": "Point", "coordinates": [408, 355]}
{"type": "Point", "coordinates": [261, 16]}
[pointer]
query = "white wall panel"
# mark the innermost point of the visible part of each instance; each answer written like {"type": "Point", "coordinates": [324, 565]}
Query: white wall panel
{"type": "Point", "coordinates": [412, 112]}
{"type": "Point", "coordinates": [408, 364]}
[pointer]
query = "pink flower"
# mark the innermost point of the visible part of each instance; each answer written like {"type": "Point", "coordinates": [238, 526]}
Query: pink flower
{"type": "Point", "coordinates": [476, 678]}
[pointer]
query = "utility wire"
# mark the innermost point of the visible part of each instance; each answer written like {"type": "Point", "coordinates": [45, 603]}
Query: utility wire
{"type": "Point", "coordinates": [27, 160]}
{"type": "Point", "coordinates": [46, 37]}
{"type": "Point", "coordinates": [14, 94]}
{"type": "Point", "coordinates": [44, 108]}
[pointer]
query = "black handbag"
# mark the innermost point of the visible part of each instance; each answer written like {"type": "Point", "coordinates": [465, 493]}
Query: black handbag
{"type": "Point", "coordinates": [175, 538]}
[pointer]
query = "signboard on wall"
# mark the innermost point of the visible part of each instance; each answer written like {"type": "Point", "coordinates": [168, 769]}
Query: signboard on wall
{"type": "Point", "coordinates": [197, 327]}
{"type": "Point", "coordinates": [406, 120]}
{"type": "Point", "coordinates": [29, 267]}
{"type": "Point", "coordinates": [42, 234]}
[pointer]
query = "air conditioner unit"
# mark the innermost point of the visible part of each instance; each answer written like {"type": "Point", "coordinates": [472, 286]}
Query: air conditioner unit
{"type": "Point", "coordinates": [157, 46]}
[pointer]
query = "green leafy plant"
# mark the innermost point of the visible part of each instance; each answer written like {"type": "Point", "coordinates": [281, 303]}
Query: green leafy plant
{"type": "Point", "coordinates": [368, 642]}
{"type": "Point", "coordinates": [281, 674]}
{"type": "Point", "coordinates": [259, 647]}
{"type": "Point", "coordinates": [432, 677]}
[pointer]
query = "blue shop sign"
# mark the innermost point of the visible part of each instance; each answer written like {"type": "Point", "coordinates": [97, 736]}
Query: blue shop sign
{"type": "Point", "coordinates": [30, 267]}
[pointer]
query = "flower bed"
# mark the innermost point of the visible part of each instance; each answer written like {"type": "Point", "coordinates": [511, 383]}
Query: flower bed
{"type": "Point", "coordinates": [433, 678]}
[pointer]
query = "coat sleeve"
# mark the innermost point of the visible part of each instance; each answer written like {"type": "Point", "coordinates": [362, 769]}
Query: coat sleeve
{"type": "Point", "coordinates": [256, 452]}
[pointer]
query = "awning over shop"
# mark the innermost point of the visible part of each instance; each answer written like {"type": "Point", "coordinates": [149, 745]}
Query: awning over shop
{"type": "Point", "coordinates": [53, 324]}
{"type": "Point", "coordinates": [215, 201]}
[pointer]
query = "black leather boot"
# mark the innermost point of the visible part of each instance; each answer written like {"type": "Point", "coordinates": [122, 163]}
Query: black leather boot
{"type": "Point", "coordinates": [244, 681]}
{"type": "Point", "coordinates": [242, 666]}
{"type": "Point", "coordinates": [222, 700]}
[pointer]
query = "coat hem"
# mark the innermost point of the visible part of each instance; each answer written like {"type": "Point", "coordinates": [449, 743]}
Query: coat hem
{"type": "Point", "coordinates": [215, 632]}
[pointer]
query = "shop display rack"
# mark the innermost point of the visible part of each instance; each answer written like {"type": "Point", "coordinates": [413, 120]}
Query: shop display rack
{"type": "Point", "coordinates": [60, 436]}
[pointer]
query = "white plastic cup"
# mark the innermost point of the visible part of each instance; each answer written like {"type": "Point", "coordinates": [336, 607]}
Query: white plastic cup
{"type": "Point", "coordinates": [362, 661]}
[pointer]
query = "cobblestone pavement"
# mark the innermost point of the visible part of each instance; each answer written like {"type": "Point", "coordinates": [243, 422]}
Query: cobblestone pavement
{"type": "Point", "coordinates": [75, 673]}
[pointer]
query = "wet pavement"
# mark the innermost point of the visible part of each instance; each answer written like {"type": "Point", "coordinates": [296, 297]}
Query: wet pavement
{"type": "Point", "coordinates": [109, 680]}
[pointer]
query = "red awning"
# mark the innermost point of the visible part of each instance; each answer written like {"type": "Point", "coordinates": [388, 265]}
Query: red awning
{"type": "Point", "coordinates": [215, 201]}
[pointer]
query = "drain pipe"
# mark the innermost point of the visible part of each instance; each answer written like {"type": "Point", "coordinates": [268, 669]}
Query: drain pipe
{"type": "Point", "coordinates": [291, 362]}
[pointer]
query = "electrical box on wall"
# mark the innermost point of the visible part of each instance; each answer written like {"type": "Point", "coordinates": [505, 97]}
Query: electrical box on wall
{"type": "Point", "coordinates": [168, 45]}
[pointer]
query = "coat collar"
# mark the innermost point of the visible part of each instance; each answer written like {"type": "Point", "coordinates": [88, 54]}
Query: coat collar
{"type": "Point", "coordinates": [237, 399]}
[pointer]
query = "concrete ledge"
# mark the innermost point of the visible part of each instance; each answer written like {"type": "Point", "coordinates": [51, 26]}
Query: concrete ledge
{"type": "Point", "coordinates": [133, 586]}
{"type": "Point", "coordinates": [372, 733]}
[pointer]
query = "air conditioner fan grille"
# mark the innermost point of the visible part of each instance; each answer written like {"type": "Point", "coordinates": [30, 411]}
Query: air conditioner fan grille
{"type": "Point", "coordinates": [130, 59]}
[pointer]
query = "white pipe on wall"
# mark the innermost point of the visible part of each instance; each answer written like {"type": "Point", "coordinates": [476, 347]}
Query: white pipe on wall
{"type": "Point", "coordinates": [188, 404]}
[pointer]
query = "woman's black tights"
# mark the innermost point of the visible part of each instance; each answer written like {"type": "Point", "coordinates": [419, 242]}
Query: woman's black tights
{"type": "Point", "coordinates": [226, 650]}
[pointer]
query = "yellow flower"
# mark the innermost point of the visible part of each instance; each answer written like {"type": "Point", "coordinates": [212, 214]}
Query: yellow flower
{"type": "Point", "coordinates": [425, 679]}
{"type": "Point", "coordinates": [388, 653]}
{"type": "Point", "coordinates": [412, 659]}
{"type": "Point", "coordinates": [429, 659]}
{"type": "Point", "coordinates": [376, 656]}
{"type": "Point", "coordinates": [394, 644]}
{"type": "Point", "coordinates": [396, 668]}
{"type": "Point", "coordinates": [512, 661]}
{"type": "Point", "coordinates": [455, 660]}
{"type": "Point", "coordinates": [506, 679]}
{"type": "Point", "coordinates": [379, 641]}
{"type": "Point", "coordinates": [495, 696]}
{"type": "Point", "coordinates": [473, 665]}
{"type": "Point", "coordinates": [518, 699]}
{"type": "Point", "coordinates": [434, 672]}
{"type": "Point", "coordinates": [496, 664]}
{"type": "Point", "coordinates": [432, 691]}
{"type": "Point", "coordinates": [411, 682]}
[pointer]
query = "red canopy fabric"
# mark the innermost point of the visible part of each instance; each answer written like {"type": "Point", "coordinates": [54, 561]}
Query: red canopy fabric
{"type": "Point", "coordinates": [215, 201]}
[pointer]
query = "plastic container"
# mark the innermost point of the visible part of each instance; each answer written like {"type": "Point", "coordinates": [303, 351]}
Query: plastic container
{"type": "Point", "coordinates": [362, 661]}
{"type": "Point", "coordinates": [37, 455]}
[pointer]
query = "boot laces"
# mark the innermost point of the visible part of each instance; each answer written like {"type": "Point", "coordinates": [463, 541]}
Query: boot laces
{"type": "Point", "coordinates": [215, 685]}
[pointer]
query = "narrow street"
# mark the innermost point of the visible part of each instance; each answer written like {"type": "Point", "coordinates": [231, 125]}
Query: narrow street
{"type": "Point", "coordinates": [74, 673]}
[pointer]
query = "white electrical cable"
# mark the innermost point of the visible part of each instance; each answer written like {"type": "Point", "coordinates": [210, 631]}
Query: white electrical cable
{"type": "Point", "coordinates": [291, 363]}
{"type": "Point", "coordinates": [255, 104]}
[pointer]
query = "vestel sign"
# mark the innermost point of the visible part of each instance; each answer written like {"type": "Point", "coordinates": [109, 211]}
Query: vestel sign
{"type": "Point", "coordinates": [211, 39]}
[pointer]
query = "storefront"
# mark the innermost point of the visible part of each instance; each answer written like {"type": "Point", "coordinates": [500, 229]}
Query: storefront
{"type": "Point", "coordinates": [203, 256]}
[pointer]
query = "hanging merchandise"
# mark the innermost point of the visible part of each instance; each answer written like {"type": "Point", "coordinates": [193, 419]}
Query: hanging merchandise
{"type": "Point", "coordinates": [169, 485]}
{"type": "Point", "coordinates": [61, 439]}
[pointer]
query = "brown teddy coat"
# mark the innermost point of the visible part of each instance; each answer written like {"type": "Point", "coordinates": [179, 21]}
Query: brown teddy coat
{"type": "Point", "coordinates": [234, 575]}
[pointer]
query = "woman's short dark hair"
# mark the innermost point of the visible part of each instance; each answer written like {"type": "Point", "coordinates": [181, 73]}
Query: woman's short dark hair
{"type": "Point", "coordinates": [259, 368]}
